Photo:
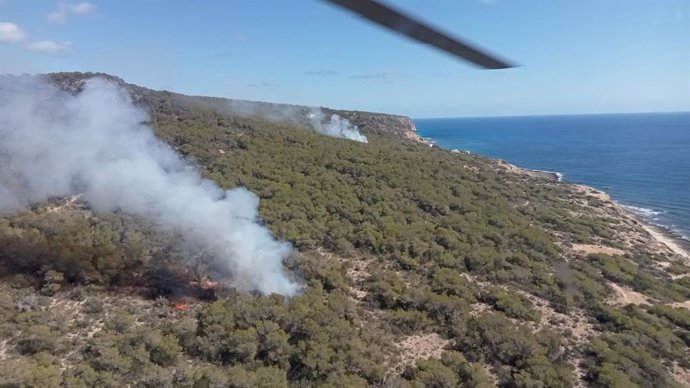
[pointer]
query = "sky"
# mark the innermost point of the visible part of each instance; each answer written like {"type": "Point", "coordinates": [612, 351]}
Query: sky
{"type": "Point", "coordinates": [584, 56]}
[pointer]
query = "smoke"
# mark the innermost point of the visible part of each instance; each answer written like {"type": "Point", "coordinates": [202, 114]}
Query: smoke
{"type": "Point", "coordinates": [333, 126]}
{"type": "Point", "coordinates": [94, 143]}
{"type": "Point", "coordinates": [336, 126]}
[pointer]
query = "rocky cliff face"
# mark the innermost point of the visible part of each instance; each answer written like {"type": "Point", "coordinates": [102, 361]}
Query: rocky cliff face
{"type": "Point", "coordinates": [368, 122]}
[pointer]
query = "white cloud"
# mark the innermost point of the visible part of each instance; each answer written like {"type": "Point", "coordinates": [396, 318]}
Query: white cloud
{"type": "Point", "coordinates": [386, 77]}
{"type": "Point", "coordinates": [49, 46]}
{"type": "Point", "coordinates": [64, 10]}
{"type": "Point", "coordinates": [11, 33]}
{"type": "Point", "coordinates": [81, 8]}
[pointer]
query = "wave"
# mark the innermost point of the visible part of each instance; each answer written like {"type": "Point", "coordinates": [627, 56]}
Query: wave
{"type": "Point", "coordinates": [643, 211]}
{"type": "Point", "coordinates": [654, 217]}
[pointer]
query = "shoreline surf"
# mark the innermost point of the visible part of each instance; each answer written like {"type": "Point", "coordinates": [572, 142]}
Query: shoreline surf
{"type": "Point", "coordinates": [666, 235]}
{"type": "Point", "coordinates": [663, 234]}
{"type": "Point", "coordinates": [641, 160]}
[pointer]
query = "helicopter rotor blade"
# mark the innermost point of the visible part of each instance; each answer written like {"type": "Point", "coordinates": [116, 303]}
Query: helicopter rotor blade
{"type": "Point", "coordinates": [395, 20]}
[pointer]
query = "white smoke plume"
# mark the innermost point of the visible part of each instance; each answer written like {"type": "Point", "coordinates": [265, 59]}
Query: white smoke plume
{"type": "Point", "coordinates": [333, 126]}
{"type": "Point", "coordinates": [53, 143]}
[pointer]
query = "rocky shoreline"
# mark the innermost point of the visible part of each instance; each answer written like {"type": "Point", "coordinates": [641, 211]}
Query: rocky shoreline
{"type": "Point", "coordinates": [659, 238]}
{"type": "Point", "coordinates": [548, 175]}
{"type": "Point", "coordinates": [662, 238]}
{"type": "Point", "coordinates": [665, 240]}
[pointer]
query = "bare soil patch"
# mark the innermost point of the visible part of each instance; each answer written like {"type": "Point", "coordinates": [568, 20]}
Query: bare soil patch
{"type": "Point", "coordinates": [680, 374]}
{"type": "Point", "coordinates": [588, 249]}
{"type": "Point", "coordinates": [419, 347]}
{"type": "Point", "coordinates": [625, 296]}
{"type": "Point", "coordinates": [685, 305]}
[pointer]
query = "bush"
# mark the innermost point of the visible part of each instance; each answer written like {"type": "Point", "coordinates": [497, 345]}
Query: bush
{"type": "Point", "coordinates": [37, 338]}
{"type": "Point", "coordinates": [513, 305]}
{"type": "Point", "coordinates": [384, 289]}
{"type": "Point", "coordinates": [26, 373]}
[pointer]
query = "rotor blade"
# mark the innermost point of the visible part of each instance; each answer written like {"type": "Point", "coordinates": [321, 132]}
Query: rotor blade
{"type": "Point", "coordinates": [403, 24]}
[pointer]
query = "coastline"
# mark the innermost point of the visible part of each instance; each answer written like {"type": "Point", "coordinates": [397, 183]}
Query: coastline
{"type": "Point", "coordinates": [663, 236]}
{"type": "Point", "coordinates": [548, 175]}
{"type": "Point", "coordinates": [667, 238]}
{"type": "Point", "coordinates": [551, 175]}
{"type": "Point", "coordinates": [542, 174]}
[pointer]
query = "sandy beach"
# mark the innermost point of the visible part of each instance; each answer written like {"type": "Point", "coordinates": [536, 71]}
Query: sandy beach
{"type": "Point", "coordinates": [677, 246]}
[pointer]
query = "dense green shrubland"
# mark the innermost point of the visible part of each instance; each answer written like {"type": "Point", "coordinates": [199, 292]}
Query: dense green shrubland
{"type": "Point", "coordinates": [441, 232]}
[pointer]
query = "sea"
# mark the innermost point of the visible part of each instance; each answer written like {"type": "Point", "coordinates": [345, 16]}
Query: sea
{"type": "Point", "coordinates": [641, 160]}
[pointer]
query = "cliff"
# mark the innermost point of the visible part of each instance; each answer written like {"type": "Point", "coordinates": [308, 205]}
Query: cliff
{"type": "Point", "coordinates": [401, 126]}
{"type": "Point", "coordinates": [368, 122]}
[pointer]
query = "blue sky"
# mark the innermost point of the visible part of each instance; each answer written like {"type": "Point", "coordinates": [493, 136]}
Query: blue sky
{"type": "Point", "coordinates": [581, 56]}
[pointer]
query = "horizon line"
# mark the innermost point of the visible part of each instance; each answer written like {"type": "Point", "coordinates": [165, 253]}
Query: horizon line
{"type": "Point", "coordinates": [548, 115]}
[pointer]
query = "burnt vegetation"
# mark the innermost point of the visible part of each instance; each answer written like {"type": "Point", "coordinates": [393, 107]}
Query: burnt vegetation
{"type": "Point", "coordinates": [395, 239]}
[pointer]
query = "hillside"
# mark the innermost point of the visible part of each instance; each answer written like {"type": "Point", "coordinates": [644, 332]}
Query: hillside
{"type": "Point", "coordinates": [162, 102]}
{"type": "Point", "coordinates": [420, 267]}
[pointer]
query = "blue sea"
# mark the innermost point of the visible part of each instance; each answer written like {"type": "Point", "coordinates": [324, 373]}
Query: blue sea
{"type": "Point", "coordinates": [641, 160]}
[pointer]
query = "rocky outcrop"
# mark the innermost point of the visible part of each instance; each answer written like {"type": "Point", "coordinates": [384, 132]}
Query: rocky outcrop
{"type": "Point", "coordinates": [381, 123]}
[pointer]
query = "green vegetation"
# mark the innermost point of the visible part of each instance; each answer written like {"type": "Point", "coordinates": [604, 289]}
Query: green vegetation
{"type": "Point", "coordinates": [395, 240]}
{"type": "Point", "coordinates": [640, 274]}
{"type": "Point", "coordinates": [514, 306]}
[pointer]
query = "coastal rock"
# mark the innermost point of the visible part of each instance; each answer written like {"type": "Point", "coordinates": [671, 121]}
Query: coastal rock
{"type": "Point", "coordinates": [548, 175]}
{"type": "Point", "coordinates": [381, 123]}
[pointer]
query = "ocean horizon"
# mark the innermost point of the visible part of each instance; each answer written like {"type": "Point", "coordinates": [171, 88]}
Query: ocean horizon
{"type": "Point", "coordinates": [641, 159]}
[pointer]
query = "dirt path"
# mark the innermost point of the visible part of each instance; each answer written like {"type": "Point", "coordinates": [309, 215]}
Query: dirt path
{"type": "Point", "coordinates": [625, 296]}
